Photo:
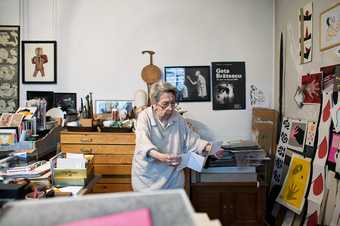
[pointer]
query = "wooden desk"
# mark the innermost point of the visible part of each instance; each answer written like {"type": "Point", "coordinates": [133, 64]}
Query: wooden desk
{"type": "Point", "coordinates": [113, 153]}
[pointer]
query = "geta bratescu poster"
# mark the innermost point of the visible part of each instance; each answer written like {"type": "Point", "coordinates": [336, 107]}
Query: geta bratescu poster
{"type": "Point", "coordinates": [229, 85]}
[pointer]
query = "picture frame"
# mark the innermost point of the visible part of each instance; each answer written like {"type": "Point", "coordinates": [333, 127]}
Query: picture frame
{"type": "Point", "coordinates": [105, 107]}
{"type": "Point", "coordinates": [9, 68]}
{"type": "Point", "coordinates": [39, 62]}
{"type": "Point", "coordinates": [329, 34]}
{"type": "Point", "coordinates": [66, 101]}
{"type": "Point", "coordinates": [192, 82]}
{"type": "Point", "coordinates": [47, 95]}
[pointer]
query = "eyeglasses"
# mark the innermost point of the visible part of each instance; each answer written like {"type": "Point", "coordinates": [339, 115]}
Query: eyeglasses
{"type": "Point", "coordinates": [167, 104]}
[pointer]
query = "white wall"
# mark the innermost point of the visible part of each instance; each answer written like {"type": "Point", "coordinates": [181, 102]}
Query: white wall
{"type": "Point", "coordinates": [100, 44]}
{"type": "Point", "coordinates": [286, 21]}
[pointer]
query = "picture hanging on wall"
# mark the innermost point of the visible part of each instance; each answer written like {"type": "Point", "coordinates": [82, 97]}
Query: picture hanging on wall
{"type": "Point", "coordinates": [9, 68]}
{"type": "Point", "coordinates": [292, 194]}
{"type": "Point", "coordinates": [122, 108]}
{"type": "Point", "coordinates": [329, 83]}
{"type": "Point", "coordinates": [311, 84]}
{"type": "Point", "coordinates": [229, 85]}
{"type": "Point", "coordinates": [297, 135]}
{"type": "Point", "coordinates": [192, 82]}
{"type": "Point", "coordinates": [306, 33]}
{"type": "Point", "coordinates": [39, 62]}
{"type": "Point", "coordinates": [330, 27]}
{"type": "Point", "coordinates": [47, 95]}
{"type": "Point", "coordinates": [66, 101]}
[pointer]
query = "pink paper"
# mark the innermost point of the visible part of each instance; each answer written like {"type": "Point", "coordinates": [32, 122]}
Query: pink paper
{"type": "Point", "coordinates": [140, 217]}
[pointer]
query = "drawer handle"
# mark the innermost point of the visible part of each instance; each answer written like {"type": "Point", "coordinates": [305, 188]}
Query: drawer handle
{"type": "Point", "coordinates": [86, 151]}
{"type": "Point", "coordinates": [86, 140]}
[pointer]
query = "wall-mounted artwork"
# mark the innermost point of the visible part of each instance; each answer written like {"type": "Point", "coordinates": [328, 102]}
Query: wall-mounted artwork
{"type": "Point", "coordinates": [39, 62]}
{"type": "Point", "coordinates": [297, 135]}
{"type": "Point", "coordinates": [192, 82]}
{"type": "Point", "coordinates": [229, 85]}
{"type": "Point", "coordinates": [292, 194]}
{"type": "Point", "coordinates": [9, 68]}
{"type": "Point", "coordinates": [66, 101]}
{"type": "Point", "coordinates": [47, 95]}
{"type": "Point", "coordinates": [330, 27]}
{"type": "Point", "coordinates": [335, 147]}
{"type": "Point", "coordinates": [123, 108]}
{"type": "Point", "coordinates": [311, 86]}
{"type": "Point", "coordinates": [306, 33]}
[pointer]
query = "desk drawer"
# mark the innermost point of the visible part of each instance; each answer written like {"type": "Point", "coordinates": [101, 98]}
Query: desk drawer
{"type": "Point", "coordinates": [103, 188]}
{"type": "Point", "coordinates": [113, 159]}
{"type": "Point", "coordinates": [98, 149]}
{"type": "Point", "coordinates": [98, 138]}
{"type": "Point", "coordinates": [106, 169]}
{"type": "Point", "coordinates": [116, 179]}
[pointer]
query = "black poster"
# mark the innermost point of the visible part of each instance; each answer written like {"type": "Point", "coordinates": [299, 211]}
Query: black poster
{"type": "Point", "coordinates": [229, 85]}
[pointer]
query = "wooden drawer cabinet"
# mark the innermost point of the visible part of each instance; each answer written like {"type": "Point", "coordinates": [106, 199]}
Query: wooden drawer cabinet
{"type": "Point", "coordinates": [113, 153]}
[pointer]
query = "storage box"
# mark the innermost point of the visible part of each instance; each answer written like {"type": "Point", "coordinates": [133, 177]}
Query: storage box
{"type": "Point", "coordinates": [71, 177]}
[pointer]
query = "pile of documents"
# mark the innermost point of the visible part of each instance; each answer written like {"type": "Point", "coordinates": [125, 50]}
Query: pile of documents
{"type": "Point", "coordinates": [33, 170]}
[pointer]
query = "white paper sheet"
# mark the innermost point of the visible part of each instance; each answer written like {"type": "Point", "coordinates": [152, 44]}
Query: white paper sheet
{"type": "Point", "coordinates": [193, 161]}
{"type": "Point", "coordinates": [215, 147]}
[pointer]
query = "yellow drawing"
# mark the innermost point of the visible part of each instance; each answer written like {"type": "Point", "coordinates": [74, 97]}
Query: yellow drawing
{"type": "Point", "coordinates": [292, 194]}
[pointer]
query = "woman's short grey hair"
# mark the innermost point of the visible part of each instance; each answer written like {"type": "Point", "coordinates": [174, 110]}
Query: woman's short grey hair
{"type": "Point", "coordinates": [158, 88]}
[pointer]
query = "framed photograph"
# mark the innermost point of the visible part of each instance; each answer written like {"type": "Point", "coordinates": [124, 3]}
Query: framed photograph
{"type": "Point", "coordinates": [39, 62]}
{"type": "Point", "coordinates": [329, 27]}
{"type": "Point", "coordinates": [229, 85]}
{"type": "Point", "coordinates": [47, 95]}
{"type": "Point", "coordinates": [105, 107]}
{"type": "Point", "coordinates": [66, 101]}
{"type": "Point", "coordinates": [9, 68]}
{"type": "Point", "coordinates": [192, 82]}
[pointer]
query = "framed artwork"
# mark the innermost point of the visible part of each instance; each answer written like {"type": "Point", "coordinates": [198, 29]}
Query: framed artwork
{"type": "Point", "coordinates": [297, 135]}
{"type": "Point", "coordinates": [107, 106]}
{"type": "Point", "coordinates": [66, 101]}
{"type": "Point", "coordinates": [229, 85]}
{"type": "Point", "coordinates": [47, 95]}
{"type": "Point", "coordinates": [311, 87]}
{"type": "Point", "coordinates": [9, 68]}
{"type": "Point", "coordinates": [330, 27]}
{"type": "Point", "coordinates": [39, 62]}
{"type": "Point", "coordinates": [192, 82]}
{"type": "Point", "coordinates": [335, 147]}
{"type": "Point", "coordinates": [292, 194]}
{"type": "Point", "coordinates": [306, 33]}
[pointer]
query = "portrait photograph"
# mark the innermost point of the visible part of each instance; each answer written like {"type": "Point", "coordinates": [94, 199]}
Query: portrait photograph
{"type": "Point", "coordinates": [192, 82]}
{"type": "Point", "coordinates": [39, 61]}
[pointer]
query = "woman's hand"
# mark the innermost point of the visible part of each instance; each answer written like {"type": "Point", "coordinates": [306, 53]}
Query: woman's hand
{"type": "Point", "coordinates": [219, 154]}
{"type": "Point", "coordinates": [172, 160]}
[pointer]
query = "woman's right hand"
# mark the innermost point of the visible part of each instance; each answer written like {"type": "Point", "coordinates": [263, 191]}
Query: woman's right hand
{"type": "Point", "coordinates": [165, 158]}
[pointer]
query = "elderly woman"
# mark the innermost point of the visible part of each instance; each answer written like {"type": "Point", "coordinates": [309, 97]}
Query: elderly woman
{"type": "Point", "coordinates": [162, 135]}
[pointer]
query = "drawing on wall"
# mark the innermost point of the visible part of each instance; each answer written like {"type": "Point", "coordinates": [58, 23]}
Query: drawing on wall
{"type": "Point", "coordinates": [335, 147]}
{"type": "Point", "coordinates": [292, 194]}
{"type": "Point", "coordinates": [311, 131]}
{"type": "Point", "coordinates": [317, 187]}
{"type": "Point", "coordinates": [328, 77]}
{"type": "Point", "coordinates": [229, 85]}
{"type": "Point", "coordinates": [311, 86]}
{"type": "Point", "coordinates": [336, 116]}
{"type": "Point", "coordinates": [297, 135]}
{"type": "Point", "coordinates": [9, 68]}
{"type": "Point", "coordinates": [256, 96]}
{"type": "Point", "coordinates": [330, 27]}
{"type": "Point", "coordinates": [305, 33]}
{"type": "Point", "coordinates": [281, 152]}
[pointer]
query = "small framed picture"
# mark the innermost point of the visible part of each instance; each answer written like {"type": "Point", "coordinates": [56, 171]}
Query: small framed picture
{"type": "Point", "coordinates": [329, 27]}
{"type": "Point", "coordinates": [123, 107]}
{"type": "Point", "coordinates": [39, 62]}
{"type": "Point", "coordinates": [66, 101]}
{"type": "Point", "coordinates": [47, 95]}
{"type": "Point", "coordinates": [192, 82]}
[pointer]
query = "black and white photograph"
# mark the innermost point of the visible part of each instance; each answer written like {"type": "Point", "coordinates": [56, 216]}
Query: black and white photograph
{"type": "Point", "coordinates": [47, 95]}
{"type": "Point", "coordinates": [66, 101]}
{"type": "Point", "coordinates": [229, 85]}
{"type": "Point", "coordinates": [192, 82]}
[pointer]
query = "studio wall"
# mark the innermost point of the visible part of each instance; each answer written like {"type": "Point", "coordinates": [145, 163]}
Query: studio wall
{"type": "Point", "coordinates": [100, 44]}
